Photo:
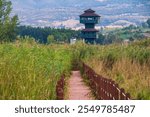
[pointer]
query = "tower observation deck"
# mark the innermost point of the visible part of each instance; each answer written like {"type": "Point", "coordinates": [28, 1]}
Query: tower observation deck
{"type": "Point", "coordinates": [89, 18]}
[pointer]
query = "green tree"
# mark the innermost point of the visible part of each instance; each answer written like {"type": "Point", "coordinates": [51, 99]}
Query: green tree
{"type": "Point", "coordinates": [50, 39]}
{"type": "Point", "coordinates": [7, 24]}
{"type": "Point", "coordinates": [148, 22]}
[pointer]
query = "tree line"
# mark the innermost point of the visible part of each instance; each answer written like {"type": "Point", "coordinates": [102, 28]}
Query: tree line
{"type": "Point", "coordinates": [48, 34]}
{"type": "Point", "coordinates": [130, 33]}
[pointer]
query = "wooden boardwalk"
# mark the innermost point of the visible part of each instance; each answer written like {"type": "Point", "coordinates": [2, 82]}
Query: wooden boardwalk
{"type": "Point", "coordinates": [78, 89]}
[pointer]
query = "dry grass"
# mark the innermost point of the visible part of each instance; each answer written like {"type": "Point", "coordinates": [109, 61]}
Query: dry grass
{"type": "Point", "coordinates": [128, 66]}
{"type": "Point", "coordinates": [133, 77]}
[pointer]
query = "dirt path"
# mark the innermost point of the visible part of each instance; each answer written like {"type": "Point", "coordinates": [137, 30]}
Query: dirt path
{"type": "Point", "coordinates": [77, 88]}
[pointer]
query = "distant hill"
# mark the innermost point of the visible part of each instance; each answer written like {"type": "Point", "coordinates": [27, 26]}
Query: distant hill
{"type": "Point", "coordinates": [122, 23]}
{"type": "Point", "coordinates": [46, 12]}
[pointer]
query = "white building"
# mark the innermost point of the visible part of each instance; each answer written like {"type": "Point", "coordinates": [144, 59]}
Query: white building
{"type": "Point", "coordinates": [73, 41]}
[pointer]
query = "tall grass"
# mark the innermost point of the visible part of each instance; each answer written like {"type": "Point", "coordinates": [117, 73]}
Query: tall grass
{"type": "Point", "coordinates": [31, 71]}
{"type": "Point", "coordinates": [128, 65]}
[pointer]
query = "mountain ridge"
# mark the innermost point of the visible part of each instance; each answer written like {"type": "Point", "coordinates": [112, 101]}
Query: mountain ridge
{"type": "Point", "coordinates": [45, 12]}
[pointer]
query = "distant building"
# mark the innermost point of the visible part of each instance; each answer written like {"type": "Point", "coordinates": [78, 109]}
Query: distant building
{"type": "Point", "coordinates": [126, 42]}
{"type": "Point", "coordinates": [89, 18]}
{"type": "Point", "coordinates": [73, 41]}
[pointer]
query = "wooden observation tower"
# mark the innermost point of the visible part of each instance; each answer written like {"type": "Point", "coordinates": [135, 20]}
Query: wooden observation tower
{"type": "Point", "coordinates": [89, 18]}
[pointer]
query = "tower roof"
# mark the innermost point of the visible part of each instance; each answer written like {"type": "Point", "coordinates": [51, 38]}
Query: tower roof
{"type": "Point", "coordinates": [89, 12]}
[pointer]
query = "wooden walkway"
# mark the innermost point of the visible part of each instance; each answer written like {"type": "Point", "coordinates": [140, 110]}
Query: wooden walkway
{"type": "Point", "coordinates": [78, 89]}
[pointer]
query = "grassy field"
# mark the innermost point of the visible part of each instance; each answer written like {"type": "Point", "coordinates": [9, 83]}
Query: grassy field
{"type": "Point", "coordinates": [128, 65]}
{"type": "Point", "coordinates": [30, 71]}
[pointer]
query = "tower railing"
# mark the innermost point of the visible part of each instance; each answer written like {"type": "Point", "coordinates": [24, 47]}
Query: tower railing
{"type": "Point", "coordinates": [94, 21]}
